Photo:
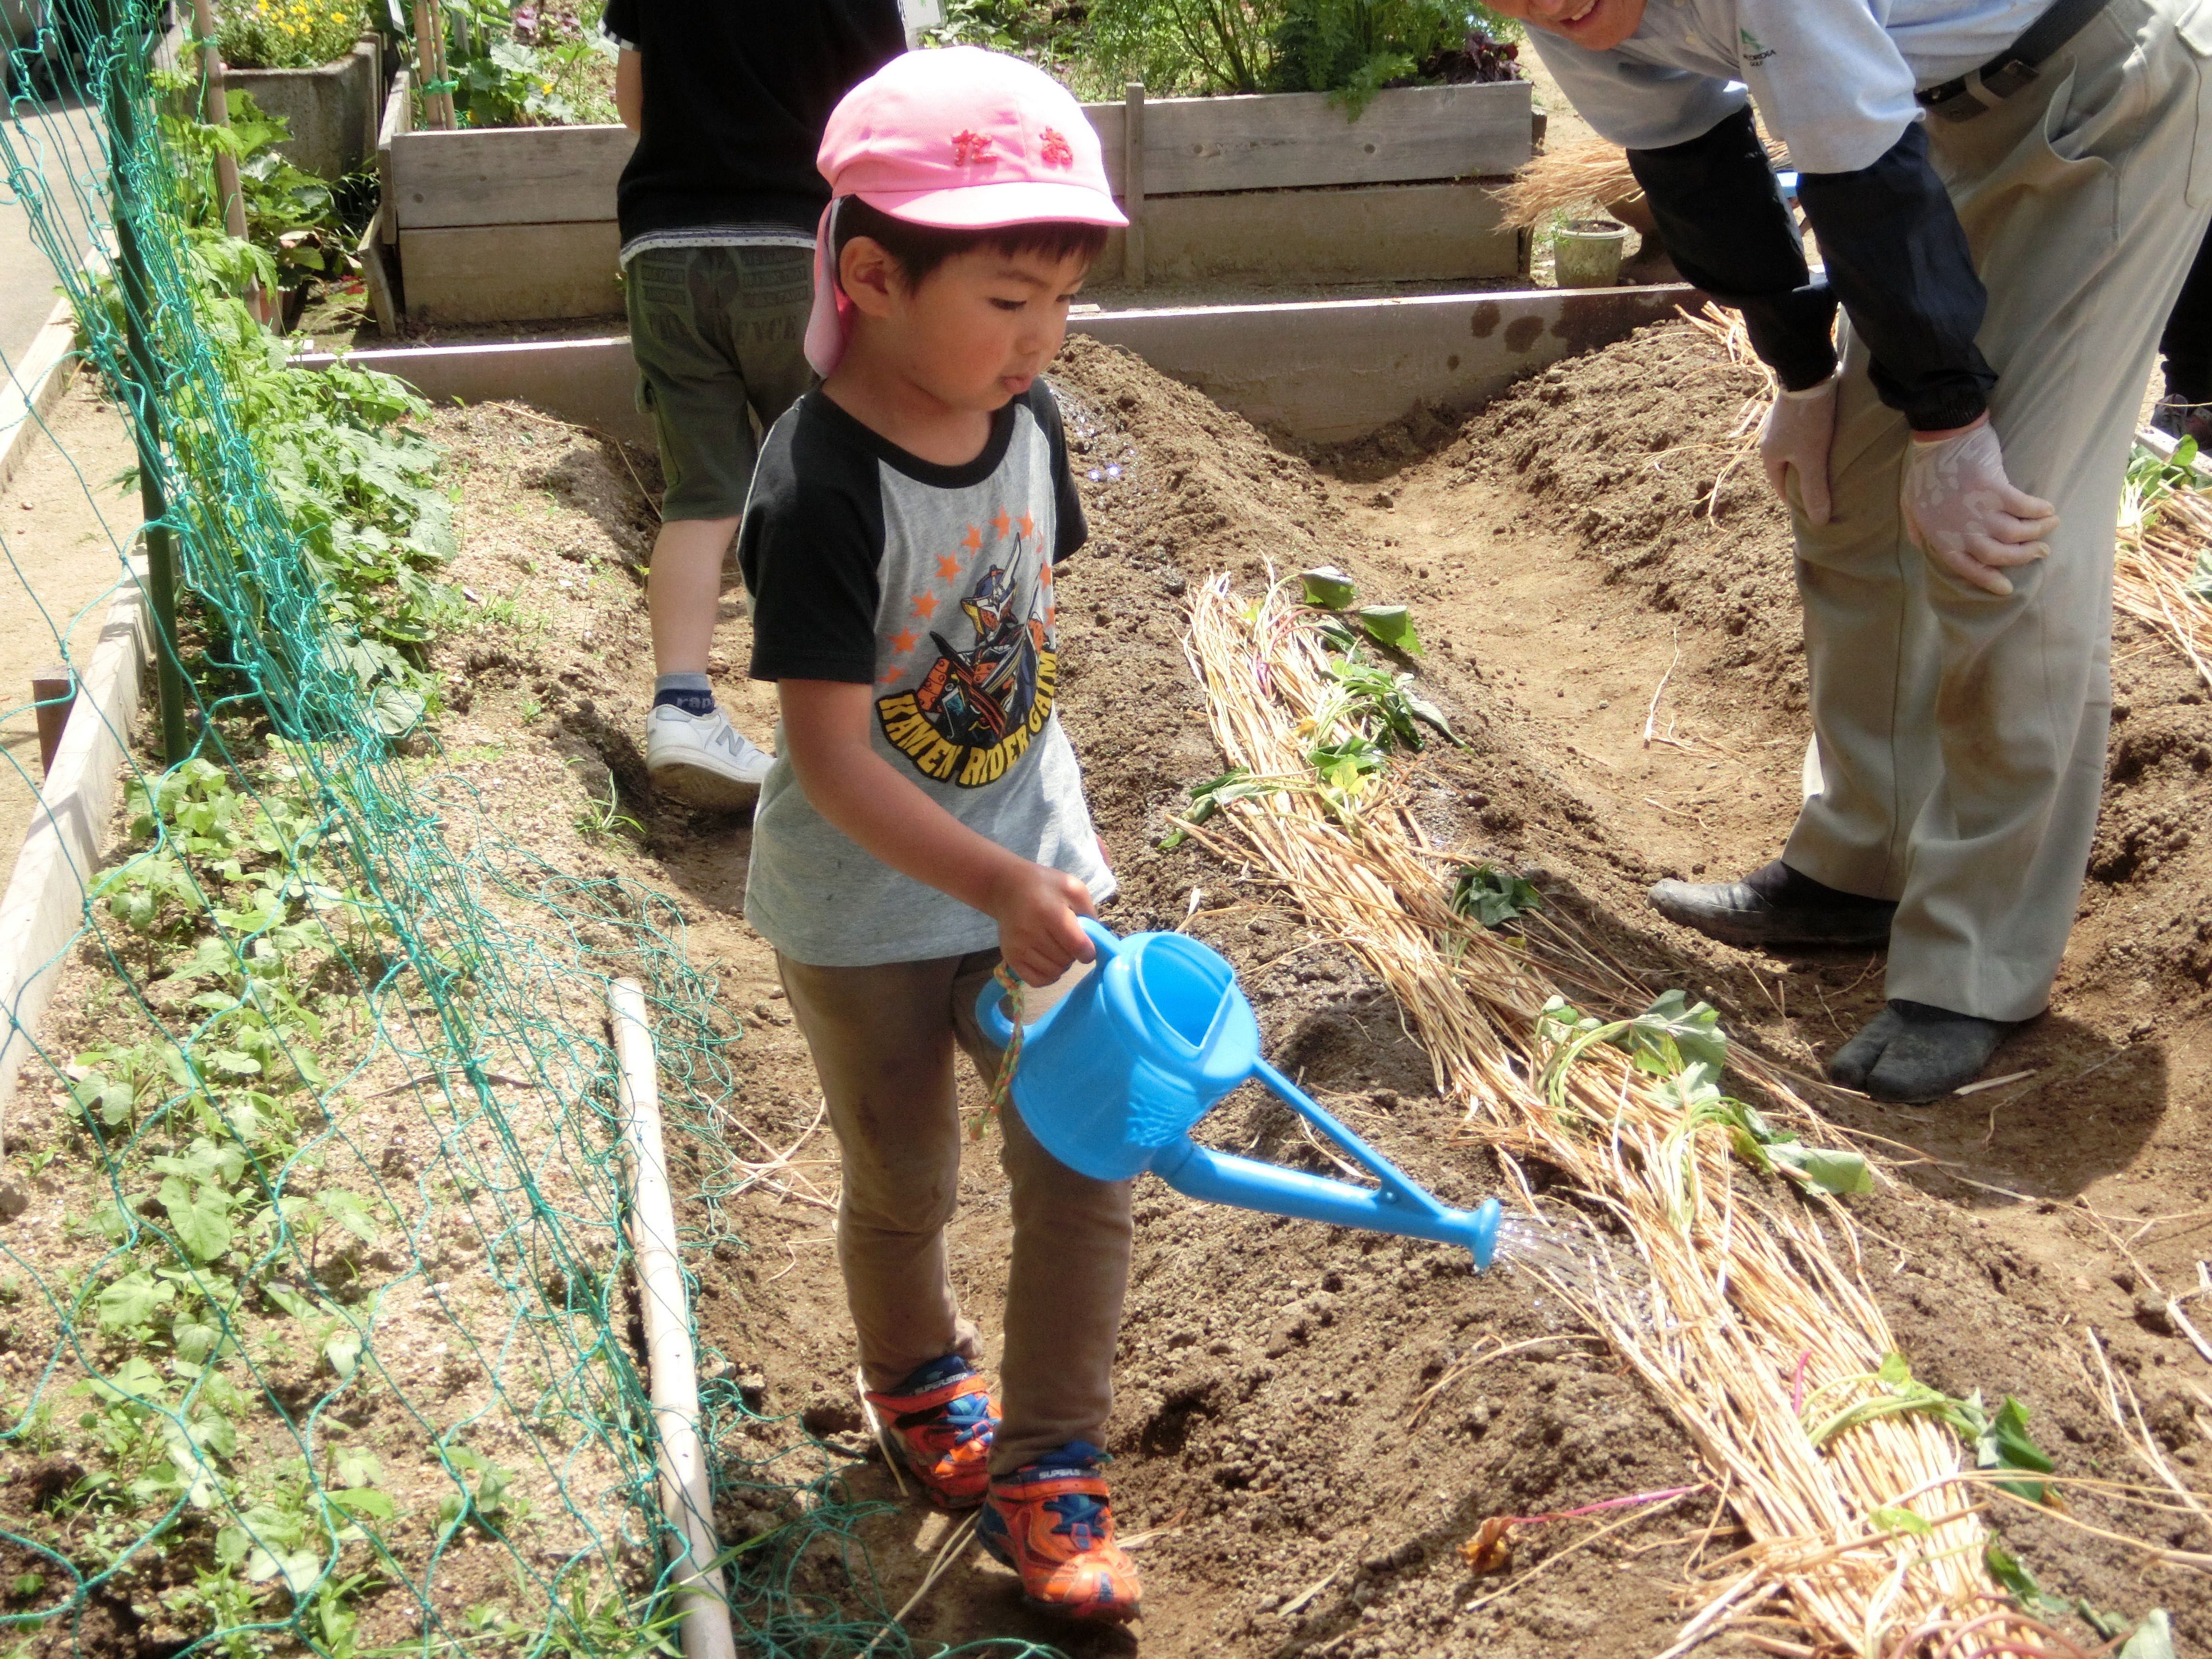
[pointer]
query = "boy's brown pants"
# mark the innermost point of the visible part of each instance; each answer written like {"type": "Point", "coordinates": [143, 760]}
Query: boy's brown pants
{"type": "Point", "coordinates": [883, 1038]}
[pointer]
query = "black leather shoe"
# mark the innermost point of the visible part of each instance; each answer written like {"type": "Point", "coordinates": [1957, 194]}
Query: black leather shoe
{"type": "Point", "coordinates": [1775, 905]}
{"type": "Point", "coordinates": [1912, 1053]}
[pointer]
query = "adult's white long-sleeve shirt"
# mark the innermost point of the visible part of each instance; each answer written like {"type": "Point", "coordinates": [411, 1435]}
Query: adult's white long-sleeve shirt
{"type": "Point", "coordinates": [1833, 79]}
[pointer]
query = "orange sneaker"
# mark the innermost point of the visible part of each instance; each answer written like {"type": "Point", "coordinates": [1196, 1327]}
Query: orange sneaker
{"type": "Point", "coordinates": [1049, 1521]}
{"type": "Point", "coordinates": [939, 1423]}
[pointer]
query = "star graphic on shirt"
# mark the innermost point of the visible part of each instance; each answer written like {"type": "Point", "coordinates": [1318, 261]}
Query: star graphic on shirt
{"type": "Point", "coordinates": [925, 605]}
{"type": "Point", "coordinates": [1052, 616]}
{"type": "Point", "coordinates": [1044, 574]}
{"type": "Point", "coordinates": [1027, 525]}
{"type": "Point", "coordinates": [903, 641]}
{"type": "Point", "coordinates": [973, 539]}
{"type": "Point", "coordinates": [948, 568]}
{"type": "Point", "coordinates": [1000, 524]}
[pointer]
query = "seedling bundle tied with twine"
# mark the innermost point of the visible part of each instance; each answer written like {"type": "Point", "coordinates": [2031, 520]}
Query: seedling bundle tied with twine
{"type": "Point", "coordinates": [1744, 1308]}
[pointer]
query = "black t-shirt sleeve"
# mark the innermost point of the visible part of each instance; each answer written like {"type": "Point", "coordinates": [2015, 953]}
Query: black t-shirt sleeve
{"type": "Point", "coordinates": [1072, 529]}
{"type": "Point", "coordinates": [619, 21]}
{"type": "Point", "coordinates": [810, 551]}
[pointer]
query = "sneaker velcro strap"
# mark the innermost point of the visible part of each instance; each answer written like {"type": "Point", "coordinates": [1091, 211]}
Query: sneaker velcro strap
{"type": "Point", "coordinates": [911, 1410]}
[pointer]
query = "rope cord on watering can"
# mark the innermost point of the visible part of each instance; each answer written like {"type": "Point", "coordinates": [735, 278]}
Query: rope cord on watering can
{"type": "Point", "coordinates": [1003, 1085]}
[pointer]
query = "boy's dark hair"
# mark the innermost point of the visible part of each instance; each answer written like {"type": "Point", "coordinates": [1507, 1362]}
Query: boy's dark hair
{"type": "Point", "coordinates": [918, 250]}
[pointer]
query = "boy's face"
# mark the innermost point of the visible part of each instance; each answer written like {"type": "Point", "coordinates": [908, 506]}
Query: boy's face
{"type": "Point", "coordinates": [981, 327]}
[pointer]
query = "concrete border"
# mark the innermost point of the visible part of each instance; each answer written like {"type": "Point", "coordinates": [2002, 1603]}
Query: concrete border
{"type": "Point", "coordinates": [35, 386]}
{"type": "Point", "coordinates": [1321, 371]}
{"type": "Point", "coordinates": [44, 905]}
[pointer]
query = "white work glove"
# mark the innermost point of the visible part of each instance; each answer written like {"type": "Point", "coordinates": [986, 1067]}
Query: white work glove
{"type": "Point", "coordinates": [1799, 428]}
{"type": "Point", "coordinates": [1965, 514]}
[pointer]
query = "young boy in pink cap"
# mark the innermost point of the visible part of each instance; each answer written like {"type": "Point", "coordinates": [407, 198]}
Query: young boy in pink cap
{"type": "Point", "coordinates": [924, 821]}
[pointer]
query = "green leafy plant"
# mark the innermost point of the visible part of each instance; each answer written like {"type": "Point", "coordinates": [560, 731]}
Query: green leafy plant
{"type": "Point", "coordinates": [294, 222]}
{"type": "Point", "coordinates": [1492, 894]}
{"type": "Point", "coordinates": [522, 64]}
{"type": "Point", "coordinates": [1681, 1044]}
{"type": "Point", "coordinates": [1999, 1439]}
{"type": "Point", "coordinates": [1327, 587]}
{"type": "Point", "coordinates": [1355, 48]}
{"type": "Point", "coordinates": [606, 818]}
{"type": "Point", "coordinates": [1208, 797]}
{"type": "Point", "coordinates": [484, 1496]}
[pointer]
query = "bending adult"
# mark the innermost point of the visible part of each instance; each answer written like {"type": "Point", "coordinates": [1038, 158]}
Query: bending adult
{"type": "Point", "coordinates": [2006, 194]}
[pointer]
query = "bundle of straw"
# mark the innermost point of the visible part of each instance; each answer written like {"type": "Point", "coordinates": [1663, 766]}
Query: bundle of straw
{"type": "Point", "coordinates": [2162, 547]}
{"type": "Point", "coordinates": [1575, 180]}
{"type": "Point", "coordinates": [1756, 1305]}
{"type": "Point", "coordinates": [1581, 177]}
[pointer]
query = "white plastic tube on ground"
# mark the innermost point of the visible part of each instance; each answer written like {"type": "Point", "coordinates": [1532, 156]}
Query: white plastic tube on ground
{"type": "Point", "coordinates": [686, 1497]}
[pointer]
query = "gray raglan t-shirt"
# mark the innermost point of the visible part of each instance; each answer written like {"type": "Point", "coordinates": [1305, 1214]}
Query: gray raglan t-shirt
{"type": "Point", "coordinates": [866, 564]}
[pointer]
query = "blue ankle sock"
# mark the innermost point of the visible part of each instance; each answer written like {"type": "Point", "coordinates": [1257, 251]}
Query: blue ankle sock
{"type": "Point", "coordinates": [692, 693]}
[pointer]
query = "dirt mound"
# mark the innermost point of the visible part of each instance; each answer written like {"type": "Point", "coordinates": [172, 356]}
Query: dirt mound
{"type": "Point", "coordinates": [1628, 450]}
{"type": "Point", "coordinates": [1309, 1422]}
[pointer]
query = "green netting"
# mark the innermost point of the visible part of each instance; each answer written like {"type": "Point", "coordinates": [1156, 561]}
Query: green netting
{"type": "Point", "coordinates": [324, 1341]}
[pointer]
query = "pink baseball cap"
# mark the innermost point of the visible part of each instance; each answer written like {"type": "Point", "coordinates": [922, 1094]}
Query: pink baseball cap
{"type": "Point", "coordinates": [961, 139]}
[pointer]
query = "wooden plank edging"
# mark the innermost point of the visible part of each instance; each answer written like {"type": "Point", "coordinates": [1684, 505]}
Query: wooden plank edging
{"type": "Point", "coordinates": [43, 908]}
{"type": "Point", "coordinates": [470, 177]}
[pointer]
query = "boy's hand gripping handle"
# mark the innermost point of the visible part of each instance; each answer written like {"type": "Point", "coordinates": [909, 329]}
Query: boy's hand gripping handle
{"type": "Point", "coordinates": [991, 1005]}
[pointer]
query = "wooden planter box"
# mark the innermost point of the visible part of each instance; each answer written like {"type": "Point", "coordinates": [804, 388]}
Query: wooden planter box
{"type": "Point", "coordinates": [333, 110]}
{"type": "Point", "coordinates": [515, 225]}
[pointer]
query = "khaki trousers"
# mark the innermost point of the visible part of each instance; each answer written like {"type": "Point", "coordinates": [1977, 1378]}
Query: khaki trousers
{"type": "Point", "coordinates": [1961, 735]}
{"type": "Point", "coordinates": [883, 1038]}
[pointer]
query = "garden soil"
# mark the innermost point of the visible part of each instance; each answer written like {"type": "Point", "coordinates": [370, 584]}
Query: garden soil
{"type": "Point", "coordinates": [1308, 1421]}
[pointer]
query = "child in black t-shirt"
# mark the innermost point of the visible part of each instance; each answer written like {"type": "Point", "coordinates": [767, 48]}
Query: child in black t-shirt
{"type": "Point", "coordinates": [924, 821]}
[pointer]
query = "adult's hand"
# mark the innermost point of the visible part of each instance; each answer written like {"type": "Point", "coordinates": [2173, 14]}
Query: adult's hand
{"type": "Point", "coordinates": [1965, 512]}
{"type": "Point", "coordinates": [1798, 432]}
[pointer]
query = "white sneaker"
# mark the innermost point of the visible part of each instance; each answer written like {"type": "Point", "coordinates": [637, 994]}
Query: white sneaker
{"type": "Point", "coordinates": [702, 759]}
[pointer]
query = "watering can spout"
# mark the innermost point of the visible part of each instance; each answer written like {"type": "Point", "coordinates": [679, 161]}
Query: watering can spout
{"type": "Point", "coordinates": [1112, 1077]}
{"type": "Point", "coordinates": [1249, 1184]}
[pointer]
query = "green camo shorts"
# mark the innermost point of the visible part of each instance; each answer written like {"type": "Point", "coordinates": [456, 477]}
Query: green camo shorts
{"type": "Point", "coordinates": [719, 334]}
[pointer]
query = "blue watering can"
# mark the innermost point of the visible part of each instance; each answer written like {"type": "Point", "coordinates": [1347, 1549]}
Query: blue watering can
{"type": "Point", "coordinates": [1111, 1079]}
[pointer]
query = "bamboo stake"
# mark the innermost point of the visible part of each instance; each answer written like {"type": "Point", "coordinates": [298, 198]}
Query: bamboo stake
{"type": "Point", "coordinates": [430, 56]}
{"type": "Point", "coordinates": [686, 1494]}
{"type": "Point", "coordinates": [214, 110]}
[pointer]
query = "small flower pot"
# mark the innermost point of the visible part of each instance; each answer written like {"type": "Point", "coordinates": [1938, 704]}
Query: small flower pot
{"type": "Point", "coordinates": [1587, 253]}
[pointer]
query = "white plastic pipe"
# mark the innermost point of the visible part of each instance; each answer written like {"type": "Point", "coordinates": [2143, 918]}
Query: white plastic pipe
{"type": "Point", "coordinates": [672, 1365]}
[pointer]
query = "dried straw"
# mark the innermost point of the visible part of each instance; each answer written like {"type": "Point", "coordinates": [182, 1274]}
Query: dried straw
{"type": "Point", "coordinates": [1575, 180]}
{"type": "Point", "coordinates": [2161, 546]}
{"type": "Point", "coordinates": [1754, 1293]}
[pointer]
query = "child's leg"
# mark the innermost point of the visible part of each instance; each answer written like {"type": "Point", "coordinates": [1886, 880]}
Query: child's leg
{"type": "Point", "coordinates": [1070, 1269]}
{"type": "Point", "coordinates": [881, 1039]}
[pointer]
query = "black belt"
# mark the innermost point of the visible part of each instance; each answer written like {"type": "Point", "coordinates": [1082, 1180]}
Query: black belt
{"type": "Point", "coordinates": [1983, 88]}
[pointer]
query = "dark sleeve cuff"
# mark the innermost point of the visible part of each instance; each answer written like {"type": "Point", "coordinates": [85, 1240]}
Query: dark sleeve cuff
{"type": "Point", "coordinates": [1792, 332]}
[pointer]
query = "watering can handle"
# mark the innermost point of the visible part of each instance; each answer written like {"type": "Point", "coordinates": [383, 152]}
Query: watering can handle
{"type": "Point", "coordinates": [991, 1006]}
{"type": "Point", "coordinates": [1393, 1179]}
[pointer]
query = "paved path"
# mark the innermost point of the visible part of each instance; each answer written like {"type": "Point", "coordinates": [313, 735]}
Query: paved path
{"type": "Point", "coordinates": [61, 515]}
{"type": "Point", "coordinates": [61, 144]}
